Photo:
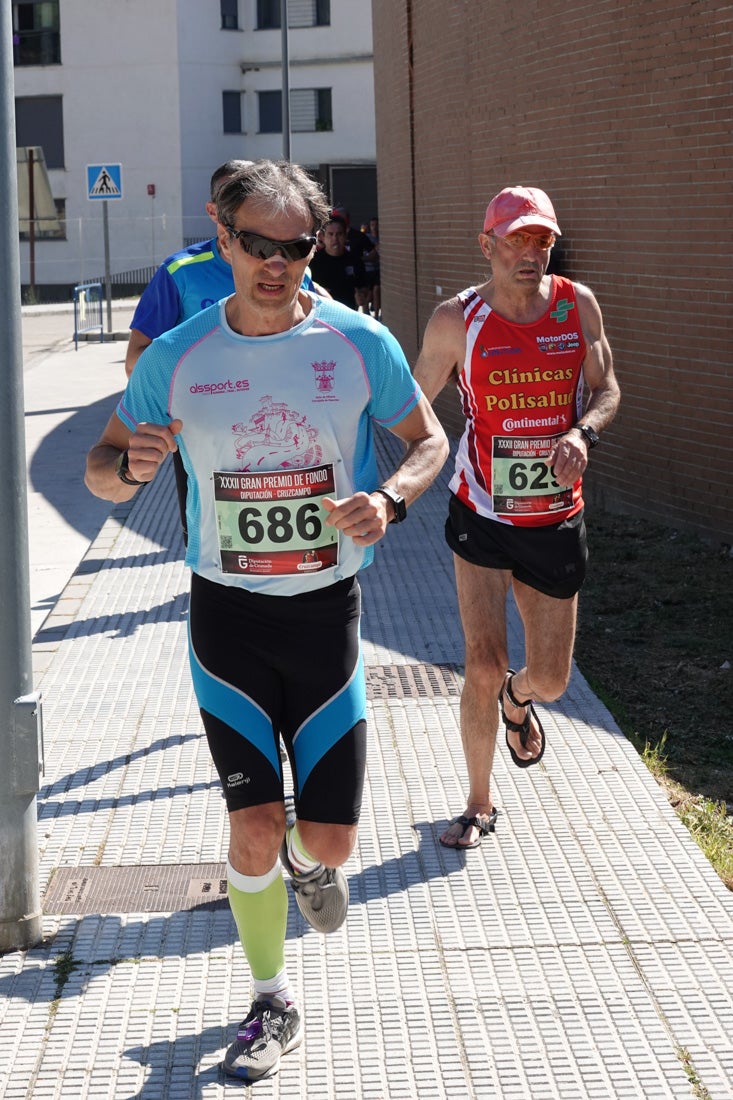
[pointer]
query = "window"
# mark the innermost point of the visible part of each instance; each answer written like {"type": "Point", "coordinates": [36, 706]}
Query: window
{"type": "Point", "coordinates": [271, 115]}
{"type": "Point", "coordinates": [36, 38]}
{"type": "Point", "coordinates": [310, 110]}
{"type": "Point", "coordinates": [232, 112]}
{"type": "Point", "coordinates": [301, 13]}
{"type": "Point", "coordinates": [39, 120]}
{"type": "Point", "coordinates": [268, 14]}
{"type": "Point", "coordinates": [229, 15]}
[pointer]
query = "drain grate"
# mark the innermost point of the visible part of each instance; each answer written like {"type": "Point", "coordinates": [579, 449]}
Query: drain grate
{"type": "Point", "coordinates": [422, 681]}
{"type": "Point", "coordinates": [144, 889]}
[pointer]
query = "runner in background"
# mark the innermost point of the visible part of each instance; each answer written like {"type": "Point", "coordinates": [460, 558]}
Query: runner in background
{"type": "Point", "coordinates": [523, 349]}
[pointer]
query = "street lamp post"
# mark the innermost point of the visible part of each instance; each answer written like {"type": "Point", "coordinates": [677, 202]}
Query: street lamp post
{"type": "Point", "coordinates": [286, 78]}
{"type": "Point", "coordinates": [20, 709]}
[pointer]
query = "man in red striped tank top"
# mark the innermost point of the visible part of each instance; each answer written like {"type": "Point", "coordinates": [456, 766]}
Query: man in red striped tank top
{"type": "Point", "coordinates": [534, 370]}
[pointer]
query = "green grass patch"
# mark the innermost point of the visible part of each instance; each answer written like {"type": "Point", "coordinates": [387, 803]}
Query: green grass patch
{"type": "Point", "coordinates": [711, 827]}
{"type": "Point", "coordinates": [656, 645]}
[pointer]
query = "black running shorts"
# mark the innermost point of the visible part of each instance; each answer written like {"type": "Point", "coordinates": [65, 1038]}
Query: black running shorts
{"type": "Point", "coordinates": [290, 666]}
{"type": "Point", "coordinates": [550, 559]}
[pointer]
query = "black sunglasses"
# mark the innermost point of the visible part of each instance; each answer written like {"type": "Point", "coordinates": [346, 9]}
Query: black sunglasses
{"type": "Point", "coordinates": [262, 248]}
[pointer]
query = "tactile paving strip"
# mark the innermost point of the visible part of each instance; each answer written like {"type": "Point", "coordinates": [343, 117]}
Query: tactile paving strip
{"type": "Point", "coordinates": [583, 952]}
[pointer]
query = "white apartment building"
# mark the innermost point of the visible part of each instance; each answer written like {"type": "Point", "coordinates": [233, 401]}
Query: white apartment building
{"type": "Point", "coordinates": [160, 92]}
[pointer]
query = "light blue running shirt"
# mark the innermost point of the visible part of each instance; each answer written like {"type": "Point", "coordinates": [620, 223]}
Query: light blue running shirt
{"type": "Point", "coordinates": [271, 425]}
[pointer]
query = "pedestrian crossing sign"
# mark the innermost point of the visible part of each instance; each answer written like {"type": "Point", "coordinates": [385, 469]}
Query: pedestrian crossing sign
{"type": "Point", "coordinates": [104, 181]}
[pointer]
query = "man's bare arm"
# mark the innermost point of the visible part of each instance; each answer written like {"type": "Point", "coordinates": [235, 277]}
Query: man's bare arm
{"type": "Point", "coordinates": [569, 457]}
{"type": "Point", "coordinates": [443, 349]}
{"type": "Point", "coordinates": [365, 516]}
{"type": "Point", "coordinates": [427, 450]}
{"type": "Point", "coordinates": [137, 344]}
{"type": "Point", "coordinates": [598, 372]}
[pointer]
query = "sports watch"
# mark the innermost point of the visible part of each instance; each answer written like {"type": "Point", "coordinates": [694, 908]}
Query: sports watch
{"type": "Point", "coordinates": [122, 469]}
{"type": "Point", "coordinates": [592, 438]}
{"type": "Point", "coordinates": [398, 502]}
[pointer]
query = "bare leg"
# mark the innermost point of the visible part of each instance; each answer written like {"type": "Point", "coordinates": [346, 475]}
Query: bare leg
{"type": "Point", "coordinates": [331, 844]}
{"type": "Point", "coordinates": [255, 836]}
{"type": "Point", "coordinates": [549, 636]}
{"type": "Point", "coordinates": [482, 603]}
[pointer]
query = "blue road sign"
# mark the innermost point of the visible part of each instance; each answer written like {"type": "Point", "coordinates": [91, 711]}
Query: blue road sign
{"type": "Point", "coordinates": [104, 181]}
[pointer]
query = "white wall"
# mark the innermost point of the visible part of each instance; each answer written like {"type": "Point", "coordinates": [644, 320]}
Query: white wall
{"type": "Point", "coordinates": [142, 84]}
{"type": "Point", "coordinates": [111, 78]}
{"type": "Point", "coordinates": [209, 60]}
{"type": "Point", "coordinates": [212, 60]}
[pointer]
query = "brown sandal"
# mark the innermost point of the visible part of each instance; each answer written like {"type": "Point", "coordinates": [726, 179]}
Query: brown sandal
{"type": "Point", "coordinates": [523, 728]}
{"type": "Point", "coordinates": [484, 828]}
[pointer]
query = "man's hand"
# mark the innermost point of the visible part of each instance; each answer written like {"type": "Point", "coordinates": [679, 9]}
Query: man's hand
{"type": "Point", "coordinates": [146, 447]}
{"type": "Point", "coordinates": [363, 516]}
{"type": "Point", "coordinates": [568, 458]}
{"type": "Point", "coordinates": [149, 444]}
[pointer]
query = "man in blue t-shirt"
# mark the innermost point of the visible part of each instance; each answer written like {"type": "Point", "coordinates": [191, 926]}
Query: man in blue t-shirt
{"type": "Point", "coordinates": [185, 283]}
{"type": "Point", "coordinates": [272, 397]}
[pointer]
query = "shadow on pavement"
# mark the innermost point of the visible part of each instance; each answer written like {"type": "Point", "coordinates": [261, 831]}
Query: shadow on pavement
{"type": "Point", "coordinates": [57, 467]}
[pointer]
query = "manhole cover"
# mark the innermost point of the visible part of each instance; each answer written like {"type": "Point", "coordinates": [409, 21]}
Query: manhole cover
{"type": "Point", "coordinates": [420, 681]}
{"type": "Point", "coordinates": [142, 889]}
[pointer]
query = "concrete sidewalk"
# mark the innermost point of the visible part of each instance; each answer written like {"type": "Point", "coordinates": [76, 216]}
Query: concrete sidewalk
{"type": "Point", "coordinates": [585, 950]}
{"type": "Point", "coordinates": [68, 396]}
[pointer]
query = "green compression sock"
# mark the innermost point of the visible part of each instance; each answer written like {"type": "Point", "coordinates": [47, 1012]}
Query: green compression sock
{"type": "Point", "coordinates": [301, 861]}
{"type": "Point", "coordinates": [260, 908]}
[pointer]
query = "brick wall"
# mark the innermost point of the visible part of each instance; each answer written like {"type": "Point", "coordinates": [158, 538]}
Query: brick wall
{"type": "Point", "coordinates": [622, 112]}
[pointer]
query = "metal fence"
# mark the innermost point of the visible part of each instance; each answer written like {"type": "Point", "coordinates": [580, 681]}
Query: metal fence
{"type": "Point", "coordinates": [137, 278]}
{"type": "Point", "coordinates": [88, 299]}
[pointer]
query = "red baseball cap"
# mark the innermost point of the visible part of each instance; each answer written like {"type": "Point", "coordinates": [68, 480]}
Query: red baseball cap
{"type": "Point", "coordinates": [519, 207]}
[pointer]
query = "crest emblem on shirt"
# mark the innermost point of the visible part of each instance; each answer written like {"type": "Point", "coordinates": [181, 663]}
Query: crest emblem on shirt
{"type": "Point", "coordinates": [276, 430]}
{"type": "Point", "coordinates": [561, 311]}
{"type": "Point", "coordinates": [324, 372]}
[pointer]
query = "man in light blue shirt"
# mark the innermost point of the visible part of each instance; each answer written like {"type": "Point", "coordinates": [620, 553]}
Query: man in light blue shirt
{"type": "Point", "coordinates": [273, 396]}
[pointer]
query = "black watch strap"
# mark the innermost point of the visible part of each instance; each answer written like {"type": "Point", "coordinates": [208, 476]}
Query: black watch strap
{"type": "Point", "coordinates": [398, 503]}
{"type": "Point", "coordinates": [591, 437]}
{"type": "Point", "coordinates": [122, 469]}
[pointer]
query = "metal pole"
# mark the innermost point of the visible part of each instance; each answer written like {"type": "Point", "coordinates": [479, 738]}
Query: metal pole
{"type": "Point", "coordinates": [20, 907]}
{"type": "Point", "coordinates": [286, 78]}
{"type": "Point", "coordinates": [107, 269]}
{"type": "Point", "coordinates": [31, 226]}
